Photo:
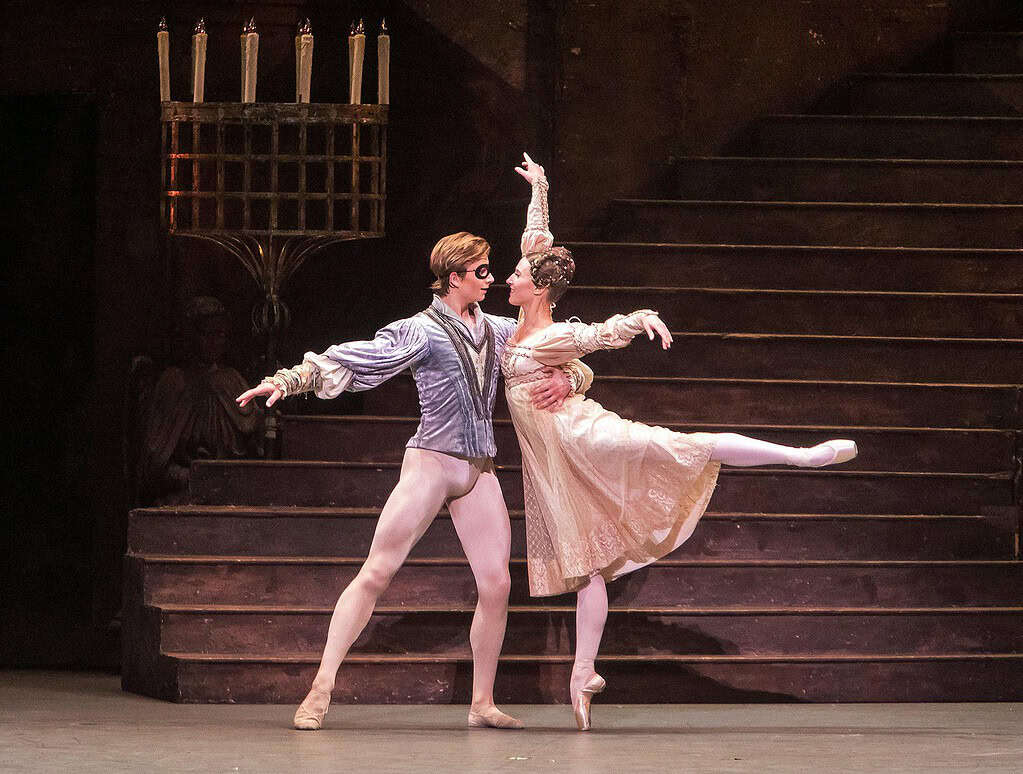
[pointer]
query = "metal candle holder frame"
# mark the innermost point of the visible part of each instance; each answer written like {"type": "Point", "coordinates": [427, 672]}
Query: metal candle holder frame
{"type": "Point", "coordinates": [269, 228]}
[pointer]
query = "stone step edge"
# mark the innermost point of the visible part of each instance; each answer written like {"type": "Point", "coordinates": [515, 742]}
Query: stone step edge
{"type": "Point", "coordinates": [377, 418]}
{"type": "Point", "coordinates": [727, 380]}
{"type": "Point", "coordinates": [448, 561]}
{"type": "Point", "coordinates": [774, 204]}
{"type": "Point", "coordinates": [410, 658]}
{"type": "Point", "coordinates": [753, 471]}
{"type": "Point", "coordinates": [277, 511]}
{"type": "Point", "coordinates": [836, 117]}
{"type": "Point", "coordinates": [884, 294]}
{"type": "Point", "coordinates": [832, 338]}
{"type": "Point", "coordinates": [992, 252]}
{"type": "Point", "coordinates": [854, 161]}
{"type": "Point", "coordinates": [936, 76]}
{"type": "Point", "coordinates": [179, 609]}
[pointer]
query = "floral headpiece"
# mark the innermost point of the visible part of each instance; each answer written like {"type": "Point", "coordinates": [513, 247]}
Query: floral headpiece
{"type": "Point", "coordinates": [553, 267]}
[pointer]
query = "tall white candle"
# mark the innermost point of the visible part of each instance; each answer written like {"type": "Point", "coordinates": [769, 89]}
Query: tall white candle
{"type": "Point", "coordinates": [250, 59]}
{"type": "Point", "coordinates": [163, 50]}
{"type": "Point", "coordinates": [357, 54]}
{"type": "Point", "coordinates": [303, 61]}
{"type": "Point", "coordinates": [384, 65]}
{"type": "Point", "coordinates": [351, 57]}
{"type": "Point", "coordinates": [199, 61]}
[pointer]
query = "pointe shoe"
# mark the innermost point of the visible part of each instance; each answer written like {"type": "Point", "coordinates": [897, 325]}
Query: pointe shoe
{"type": "Point", "coordinates": [841, 451]}
{"type": "Point", "coordinates": [493, 718]}
{"type": "Point", "coordinates": [309, 718]}
{"type": "Point", "coordinates": [594, 685]}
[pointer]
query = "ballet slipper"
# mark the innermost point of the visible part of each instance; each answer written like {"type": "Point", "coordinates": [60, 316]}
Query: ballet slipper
{"type": "Point", "coordinates": [309, 716]}
{"type": "Point", "coordinates": [492, 717]}
{"type": "Point", "coordinates": [593, 686]}
{"type": "Point", "coordinates": [841, 450]}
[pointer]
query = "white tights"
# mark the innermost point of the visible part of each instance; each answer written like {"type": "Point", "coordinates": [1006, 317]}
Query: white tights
{"type": "Point", "coordinates": [591, 600]}
{"type": "Point", "coordinates": [480, 517]}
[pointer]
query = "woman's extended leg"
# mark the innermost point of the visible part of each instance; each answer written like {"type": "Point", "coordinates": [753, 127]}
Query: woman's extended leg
{"type": "Point", "coordinates": [410, 508]}
{"type": "Point", "coordinates": [481, 521]}
{"type": "Point", "coordinates": [741, 451]}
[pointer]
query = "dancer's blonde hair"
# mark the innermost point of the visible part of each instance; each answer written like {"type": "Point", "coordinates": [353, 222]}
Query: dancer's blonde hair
{"type": "Point", "coordinates": [453, 253]}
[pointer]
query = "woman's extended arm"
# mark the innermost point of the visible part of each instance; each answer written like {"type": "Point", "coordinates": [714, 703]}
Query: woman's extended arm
{"type": "Point", "coordinates": [570, 340]}
{"type": "Point", "coordinates": [537, 234]}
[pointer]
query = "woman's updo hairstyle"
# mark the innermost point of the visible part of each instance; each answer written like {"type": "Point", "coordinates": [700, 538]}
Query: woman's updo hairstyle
{"type": "Point", "coordinates": [552, 268]}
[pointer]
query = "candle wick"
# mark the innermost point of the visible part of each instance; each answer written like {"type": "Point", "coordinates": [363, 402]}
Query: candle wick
{"type": "Point", "coordinates": [383, 26]}
{"type": "Point", "coordinates": [200, 27]}
{"type": "Point", "coordinates": [361, 29]}
{"type": "Point", "coordinates": [163, 24]}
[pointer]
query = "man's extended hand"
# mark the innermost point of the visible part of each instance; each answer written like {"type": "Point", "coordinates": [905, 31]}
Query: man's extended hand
{"type": "Point", "coordinates": [266, 388]}
{"type": "Point", "coordinates": [551, 392]}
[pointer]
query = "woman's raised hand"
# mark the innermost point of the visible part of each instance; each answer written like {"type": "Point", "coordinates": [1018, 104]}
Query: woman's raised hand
{"type": "Point", "coordinates": [653, 324]}
{"type": "Point", "coordinates": [532, 171]}
{"type": "Point", "coordinates": [266, 388]}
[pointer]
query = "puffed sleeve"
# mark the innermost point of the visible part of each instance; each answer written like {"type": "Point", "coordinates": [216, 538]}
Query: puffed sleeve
{"type": "Point", "coordinates": [357, 365]}
{"type": "Point", "coordinates": [569, 340]}
{"type": "Point", "coordinates": [537, 234]}
{"type": "Point", "coordinates": [580, 374]}
{"type": "Point", "coordinates": [503, 328]}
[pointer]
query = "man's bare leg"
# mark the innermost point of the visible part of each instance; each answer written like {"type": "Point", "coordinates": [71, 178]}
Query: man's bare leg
{"type": "Point", "coordinates": [427, 479]}
{"type": "Point", "coordinates": [481, 521]}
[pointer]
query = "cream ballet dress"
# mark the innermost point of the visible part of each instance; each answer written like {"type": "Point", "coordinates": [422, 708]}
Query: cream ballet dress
{"type": "Point", "coordinates": [603, 494]}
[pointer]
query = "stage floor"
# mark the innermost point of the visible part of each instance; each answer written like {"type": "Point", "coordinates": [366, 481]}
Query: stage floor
{"type": "Point", "coordinates": [62, 721]}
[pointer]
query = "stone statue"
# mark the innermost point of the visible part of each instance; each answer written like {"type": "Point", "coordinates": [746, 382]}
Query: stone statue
{"type": "Point", "coordinates": [191, 412]}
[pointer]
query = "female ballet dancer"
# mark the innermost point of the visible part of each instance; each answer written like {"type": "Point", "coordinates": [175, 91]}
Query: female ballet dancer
{"type": "Point", "coordinates": [603, 495]}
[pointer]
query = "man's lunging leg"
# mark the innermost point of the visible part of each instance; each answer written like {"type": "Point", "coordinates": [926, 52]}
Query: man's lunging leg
{"type": "Point", "coordinates": [481, 521]}
{"type": "Point", "coordinates": [410, 508]}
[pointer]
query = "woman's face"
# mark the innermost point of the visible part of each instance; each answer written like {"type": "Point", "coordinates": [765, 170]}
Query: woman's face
{"type": "Point", "coordinates": [520, 284]}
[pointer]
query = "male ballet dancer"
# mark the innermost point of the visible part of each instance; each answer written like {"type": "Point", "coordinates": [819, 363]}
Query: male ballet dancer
{"type": "Point", "coordinates": [454, 352]}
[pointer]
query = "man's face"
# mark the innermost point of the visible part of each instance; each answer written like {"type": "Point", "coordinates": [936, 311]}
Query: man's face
{"type": "Point", "coordinates": [472, 288]}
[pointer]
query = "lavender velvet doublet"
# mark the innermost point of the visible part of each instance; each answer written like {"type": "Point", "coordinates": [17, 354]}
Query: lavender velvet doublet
{"type": "Point", "coordinates": [455, 369]}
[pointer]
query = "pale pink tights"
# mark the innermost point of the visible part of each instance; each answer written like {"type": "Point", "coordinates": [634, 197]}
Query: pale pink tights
{"type": "Point", "coordinates": [591, 600]}
{"type": "Point", "coordinates": [480, 517]}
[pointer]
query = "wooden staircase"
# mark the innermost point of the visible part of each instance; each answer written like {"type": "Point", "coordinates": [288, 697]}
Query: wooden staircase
{"type": "Point", "coordinates": [855, 273]}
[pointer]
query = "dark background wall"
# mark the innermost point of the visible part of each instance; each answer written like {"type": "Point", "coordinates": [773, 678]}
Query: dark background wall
{"type": "Point", "coordinates": [605, 93]}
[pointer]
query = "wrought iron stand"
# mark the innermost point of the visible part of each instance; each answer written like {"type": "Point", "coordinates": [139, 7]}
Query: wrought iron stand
{"type": "Point", "coordinates": [272, 183]}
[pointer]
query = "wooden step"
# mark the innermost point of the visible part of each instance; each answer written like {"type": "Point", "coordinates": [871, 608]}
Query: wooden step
{"type": "Point", "coordinates": [926, 94]}
{"type": "Point", "coordinates": [905, 137]}
{"type": "Point", "coordinates": [945, 450]}
{"type": "Point", "coordinates": [835, 312]}
{"type": "Point", "coordinates": [550, 630]}
{"type": "Point", "coordinates": [797, 267]}
{"type": "Point", "coordinates": [346, 484]}
{"type": "Point", "coordinates": [849, 180]}
{"type": "Point", "coordinates": [318, 580]}
{"type": "Point", "coordinates": [988, 52]}
{"type": "Point", "coordinates": [787, 356]}
{"type": "Point", "coordinates": [816, 223]}
{"type": "Point", "coordinates": [543, 679]}
{"type": "Point", "coordinates": [308, 531]}
{"type": "Point", "coordinates": [741, 401]}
